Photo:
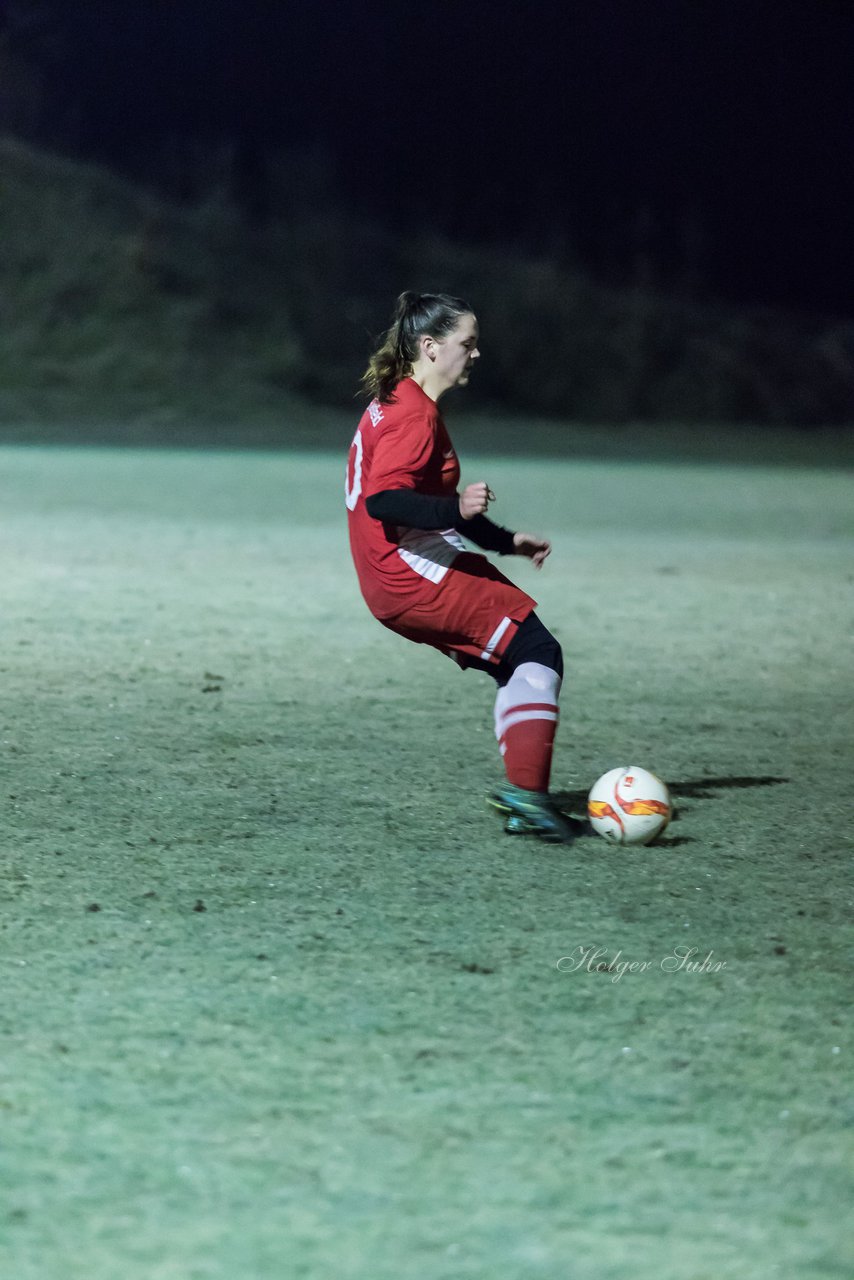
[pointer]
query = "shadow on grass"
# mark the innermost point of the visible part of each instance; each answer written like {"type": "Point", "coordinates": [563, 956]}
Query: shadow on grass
{"type": "Point", "coordinates": [693, 788]}
{"type": "Point", "coordinates": [702, 788]}
{"type": "Point", "coordinates": [574, 803]}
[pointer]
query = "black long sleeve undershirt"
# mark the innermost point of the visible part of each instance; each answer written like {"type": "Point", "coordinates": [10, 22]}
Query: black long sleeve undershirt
{"type": "Point", "coordinates": [421, 511]}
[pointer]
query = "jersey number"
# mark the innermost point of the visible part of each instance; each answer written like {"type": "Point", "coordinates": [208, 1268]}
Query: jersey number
{"type": "Point", "coordinates": [352, 488]}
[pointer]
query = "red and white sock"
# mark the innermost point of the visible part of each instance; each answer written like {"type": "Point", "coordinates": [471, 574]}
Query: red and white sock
{"type": "Point", "coordinates": [526, 716]}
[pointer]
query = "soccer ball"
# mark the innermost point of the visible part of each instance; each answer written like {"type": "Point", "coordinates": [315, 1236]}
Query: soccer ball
{"type": "Point", "coordinates": [629, 805]}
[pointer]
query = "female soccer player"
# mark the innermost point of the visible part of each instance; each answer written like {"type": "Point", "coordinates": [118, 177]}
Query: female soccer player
{"type": "Point", "coordinates": [407, 523]}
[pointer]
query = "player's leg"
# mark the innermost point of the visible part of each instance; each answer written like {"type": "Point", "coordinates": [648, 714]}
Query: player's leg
{"type": "Point", "coordinates": [526, 720]}
{"type": "Point", "coordinates": [482, 620]}
{"type": "Point", "coordinates": [526, 705]}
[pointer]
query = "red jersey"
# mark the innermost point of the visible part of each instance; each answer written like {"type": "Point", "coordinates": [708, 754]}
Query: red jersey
{"type": "Point", "coordinates": [402, 445]}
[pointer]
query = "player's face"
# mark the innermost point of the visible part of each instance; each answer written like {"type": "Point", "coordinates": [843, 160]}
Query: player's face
{"type": "Point", "coordinates": [456, 353]}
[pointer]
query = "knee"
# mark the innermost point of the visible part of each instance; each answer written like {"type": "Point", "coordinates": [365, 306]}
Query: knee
{"type": "Point", "coordinates": [534, 642]}
{"type": "Point", "coordinates": [555, 656]}
{"type": "Point", "coordinates": [547, 652]}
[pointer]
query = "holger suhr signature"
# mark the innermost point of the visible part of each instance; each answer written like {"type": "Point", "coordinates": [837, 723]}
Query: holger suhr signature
{"type": "Point", "coordinates": [681, 959]}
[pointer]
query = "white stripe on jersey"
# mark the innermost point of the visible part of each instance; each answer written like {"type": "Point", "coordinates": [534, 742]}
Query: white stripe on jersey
{"type": "Point", "coordinates": [430, 552]}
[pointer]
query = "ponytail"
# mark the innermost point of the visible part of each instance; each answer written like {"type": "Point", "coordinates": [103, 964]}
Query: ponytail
{"type": "Point", "coordinates": [416, 315]}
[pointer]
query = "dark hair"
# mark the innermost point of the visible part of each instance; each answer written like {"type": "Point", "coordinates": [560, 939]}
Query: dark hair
{"type": "Point", "coordinates": [416, 314]}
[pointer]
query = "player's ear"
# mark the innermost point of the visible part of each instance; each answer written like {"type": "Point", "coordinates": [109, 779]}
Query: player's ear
{"type": "Point", "coordinates": [427, 346]}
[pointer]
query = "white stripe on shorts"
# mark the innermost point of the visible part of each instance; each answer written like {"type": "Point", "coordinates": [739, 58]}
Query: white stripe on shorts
{"type": "Point", "coordinates": [494, 639]}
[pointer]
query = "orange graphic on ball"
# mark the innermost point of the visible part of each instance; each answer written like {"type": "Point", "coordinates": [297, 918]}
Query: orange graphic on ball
{"type": "Point", "coordinates": [642, 806]}
{"type": "Point", "coordinates": [601, 809]}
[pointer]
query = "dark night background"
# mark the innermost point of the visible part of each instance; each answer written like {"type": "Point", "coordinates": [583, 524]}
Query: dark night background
{"type": "Point", "coordinates": [717, 134]}
{"type": "Point", "coordinates": [700, 148]}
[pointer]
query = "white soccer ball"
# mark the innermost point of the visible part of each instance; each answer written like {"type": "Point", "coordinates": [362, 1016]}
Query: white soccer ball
{"type": "Point", "coordinates": [629, 805]}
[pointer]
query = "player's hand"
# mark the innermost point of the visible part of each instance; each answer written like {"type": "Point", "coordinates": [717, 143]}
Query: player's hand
{"type": "Point", "coordinates": [532, 546]}
{"type": "Point", "coordinates": [475, 499]}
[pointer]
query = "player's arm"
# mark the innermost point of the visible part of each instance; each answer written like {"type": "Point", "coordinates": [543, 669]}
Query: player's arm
{"type": "Point", "coordinates": [415, 510]}
{"type": "Point", "coordinates": [487, 535]}
{"type": "Point", "coordinates": [532, 546]}
{"type": "Point", "coordinates": [423, 511]}
{"type": "Point", "coordinates": [493, 537]}
{"type": "Point", "coordinates": [428, 511]}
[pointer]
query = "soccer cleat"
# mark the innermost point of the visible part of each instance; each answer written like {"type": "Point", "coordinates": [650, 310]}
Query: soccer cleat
{"type": "Point", "coordinates": [531, 813]}
{"type": "Point", "coordinates": [516, 825]}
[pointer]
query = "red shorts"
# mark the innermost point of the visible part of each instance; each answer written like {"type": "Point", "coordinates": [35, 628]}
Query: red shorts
{"type": "Point", "coordinates": [475, 614]}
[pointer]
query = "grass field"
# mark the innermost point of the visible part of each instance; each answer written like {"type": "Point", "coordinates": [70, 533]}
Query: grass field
{"type": "Point", "coordinates": [280, 998]}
